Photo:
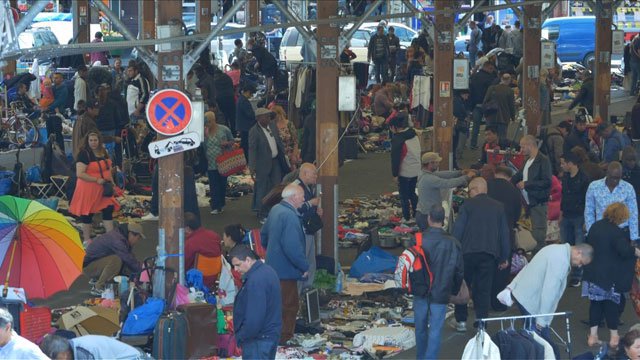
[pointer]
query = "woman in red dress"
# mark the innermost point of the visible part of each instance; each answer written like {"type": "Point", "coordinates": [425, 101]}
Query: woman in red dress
{"type": "Point", "coordinates": [93, 169]}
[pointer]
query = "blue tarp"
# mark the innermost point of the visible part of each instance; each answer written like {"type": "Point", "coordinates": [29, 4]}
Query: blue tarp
{"type": "Point", "coordinates": [375, 260]}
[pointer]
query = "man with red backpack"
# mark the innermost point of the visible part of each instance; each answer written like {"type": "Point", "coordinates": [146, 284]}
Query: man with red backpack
{"type": "Point", "coordinates": [445, 261]}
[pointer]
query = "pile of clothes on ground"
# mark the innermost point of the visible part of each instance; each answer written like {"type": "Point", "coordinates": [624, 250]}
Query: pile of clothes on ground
{"type": "Point", "coordinates": [363, 219]}
{"type": "Point", "coordinates": [373, 324]}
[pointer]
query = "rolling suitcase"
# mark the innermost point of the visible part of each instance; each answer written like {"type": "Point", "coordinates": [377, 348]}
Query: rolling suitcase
{"type": "Point", "coordinates": [170, 337]}
{"type": "Point", "coordinates": [203, 330]}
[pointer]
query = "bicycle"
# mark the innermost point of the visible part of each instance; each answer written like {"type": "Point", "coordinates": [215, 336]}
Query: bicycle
{"type": "Point", "coordinates": [16, 127]}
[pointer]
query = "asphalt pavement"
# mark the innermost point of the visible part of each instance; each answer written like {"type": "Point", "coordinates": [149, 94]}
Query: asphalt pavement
{"type": "Point", "coordinates": [370, 175]}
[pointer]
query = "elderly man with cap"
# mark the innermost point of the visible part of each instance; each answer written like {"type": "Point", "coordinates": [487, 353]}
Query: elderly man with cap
{"type": "Point", "coordinates": [431, 183]}
{"type": "Point", "coordinates": [110, 254]}
{"type": "Point", "coordinates": [266, 157]}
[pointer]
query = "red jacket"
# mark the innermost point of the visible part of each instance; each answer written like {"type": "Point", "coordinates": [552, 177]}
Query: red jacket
{"type": "Point", "coordinates": [201, 241]}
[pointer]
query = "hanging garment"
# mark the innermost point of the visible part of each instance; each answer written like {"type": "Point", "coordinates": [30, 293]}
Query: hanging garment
{"type": "Point", "coordinates": [514, 346]}
{"type": "Point", "coordinates": [548, 350]}
{"type": "Point", "coordinates": [302, 79]}
{"type": "Point", "coordinates": [421, 91]}
{"type": "Point", "coordinates": [481, 347]}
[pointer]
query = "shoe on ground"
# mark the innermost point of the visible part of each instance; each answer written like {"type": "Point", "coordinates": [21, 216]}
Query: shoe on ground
{"type": "Point", "coordinates": [216, 211]}
{"type": "Point", "coordinates": [92, 282]}
{"type": "Point", "coordinates": [149, 217]}
{"type": "Point", "coordinates": [96, 292]}
{"type": "Point", "coordinates": [575, 283]}
{"type": "Point", "coordinates": [458, 326]}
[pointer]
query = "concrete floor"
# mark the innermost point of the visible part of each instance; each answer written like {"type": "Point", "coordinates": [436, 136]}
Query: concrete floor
{"type": "Point", "coordinates": [369, 175]}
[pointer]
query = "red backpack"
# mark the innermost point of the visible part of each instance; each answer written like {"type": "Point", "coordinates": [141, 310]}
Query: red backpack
{"type": "Point", "coordinates": [413, 272]}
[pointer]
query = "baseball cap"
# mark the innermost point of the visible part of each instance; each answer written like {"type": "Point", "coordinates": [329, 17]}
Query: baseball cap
{"type": "Point", "coordinates": [431, 157]}
{"type": "Point", "coordinates": [136, 228]}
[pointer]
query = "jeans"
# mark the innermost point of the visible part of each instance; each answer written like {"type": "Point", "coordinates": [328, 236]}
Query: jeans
{"type": "Point", "coordinates": [436, 321]}
{"type": "Point", "coordinates": [217, 189]}
{"type": "Point", "coordinates": [479, 271]}
{"type": "Point", "coordinates": [380, 68]}
{"type": "Point", "coordinates": [539, 224]}
{"type": "Point", "coordinates": [259, 349]}
{"type": "Point", "coordinates": [408, 197]}
{"type": "Point", "coordinates": [421, 319]}
{"type": "Point", "coordinates": [635, 75]}
{"type": "Point", "coordinates": [571, 230]}
{"type": "Point", "coordinates": [392, 67]}
{"type": "Point", "coordinates": [477, 120]}
{"type": "Point", "coordinates": [472, 58]}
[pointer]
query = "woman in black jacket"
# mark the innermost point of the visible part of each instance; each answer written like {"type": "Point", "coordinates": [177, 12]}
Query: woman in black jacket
{"type": "Point", "coordinates": [610, 273]}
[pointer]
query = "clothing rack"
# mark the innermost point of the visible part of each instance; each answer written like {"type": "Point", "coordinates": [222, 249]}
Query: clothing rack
{"type": "Point", "coordinates": [512, 319]}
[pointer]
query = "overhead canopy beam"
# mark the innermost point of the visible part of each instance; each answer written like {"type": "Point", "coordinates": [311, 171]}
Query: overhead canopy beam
{"type": "Point", "coordinates": [71, 49]}
{"type": "Point", "coordinates": [144, 53]}
{"type": "Point", "coordinates": [462, 22]}
{"type": "Point", "coordinates": [547, 12]}
{"type": "Point", "coordinates": [192, 56]}
{"type": "Point", "coordinates": [34, 10]}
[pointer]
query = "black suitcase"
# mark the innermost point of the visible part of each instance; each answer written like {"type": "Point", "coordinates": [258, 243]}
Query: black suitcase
{"type": "Point", "coordinates": [170, 337]}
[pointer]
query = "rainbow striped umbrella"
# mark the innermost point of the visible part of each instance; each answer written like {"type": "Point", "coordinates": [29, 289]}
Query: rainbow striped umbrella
{"type": "Point", "coordinates": [39, 250]}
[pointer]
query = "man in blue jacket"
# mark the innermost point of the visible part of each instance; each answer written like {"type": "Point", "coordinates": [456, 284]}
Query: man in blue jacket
{"type": "Point", "coordinates": [283, 237]}
{"type": "Point", "coordinates": [614, 142]}
{"type": "Point", "coordinates": [257, 309]}
{"type": "Point", "coordinates": [60, 95]}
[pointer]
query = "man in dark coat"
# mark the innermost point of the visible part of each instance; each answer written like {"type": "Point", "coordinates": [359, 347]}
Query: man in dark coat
{"type": "Point", "coordinates": [257, 323]}
{"type": "Point", "coordinates": [378, 51]}
{"type": "Point", "coordinates": [445, 261]}
{"type": "Point", "coordinates": [501, 96]}
{"type": "Point", "coordinates": [478, 85]}
{"type": "Point", "coordinates": [225, 97]}
{"type": "Point", "coordinates": [534, 180]}
{"type": "Point", "coordinates": [585, 96]}
{"type": "Point", "coordinates": [266, 155]}
{"type": "Point", "coordinates": [245, 116]}
{"type": "Point", "coordinates": [578, 136]}
{"type": "Point", "coordinates": [482, 229]}
{"type": "Point", "coordinates": [500, 188]}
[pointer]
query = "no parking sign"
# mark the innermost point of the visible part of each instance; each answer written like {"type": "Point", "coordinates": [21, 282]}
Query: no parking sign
{"type": "Point", "coordinates": [169, 112]}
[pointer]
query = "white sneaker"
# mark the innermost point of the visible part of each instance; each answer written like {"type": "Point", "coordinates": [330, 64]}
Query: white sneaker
{"type": "Point", "coordinates": [458, 326]}
{"type": "Point", "coordinates": [149, 217]}
{"type": "Point", "coordinates": [216, 211]}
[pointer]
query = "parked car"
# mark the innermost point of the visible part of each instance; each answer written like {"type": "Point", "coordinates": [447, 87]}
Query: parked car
{"type": "Point", "coordinates": [575, 39]}
{"type": "Point", "coordinates": [34, 38]}
{"type": "Point", "coordinates": [292, 44]}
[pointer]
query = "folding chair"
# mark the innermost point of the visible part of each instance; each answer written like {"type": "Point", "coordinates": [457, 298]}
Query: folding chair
{"type": "Point", "coordinates": [60, 183]}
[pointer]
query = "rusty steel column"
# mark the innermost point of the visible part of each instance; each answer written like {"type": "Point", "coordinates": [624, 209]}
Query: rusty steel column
{"type": "Point", "coordinates": [442, 81]}
{"type": "Point", "coordinates": [252, 13]}
{"type": "Point", "coordinates": [148, 23]}
{"type": "Point", "coordinates": [531, 67]}
{"type": "Point", "coordinates": [83, 18]}
{"type": "Point", "coordinates": [602, 64]}
{"type": "Point", "coordinates": [327, 130]}
{"type": "Point", "coordinates": [170, 168]}
{"type": "Point", "coordinates": [203, 16]}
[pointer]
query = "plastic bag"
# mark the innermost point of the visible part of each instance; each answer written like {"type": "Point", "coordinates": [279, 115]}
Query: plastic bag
{"type": "Point", "coordinates": [226, 287]}
{"type": "Point", "coordinates": [143, 319]}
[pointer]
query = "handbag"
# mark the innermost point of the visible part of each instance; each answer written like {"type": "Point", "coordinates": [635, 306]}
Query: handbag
{"type": "Point", "coordinates": [231, 162]}
{"type": "Point", "coordinates": [462, 298]}
{"type": "Point", "coordinates": [312, 223]}
{"type": "Point", "coordinates": [107, 186]}
{"type": "Point", "coordinates": [524, 239]}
